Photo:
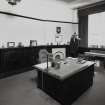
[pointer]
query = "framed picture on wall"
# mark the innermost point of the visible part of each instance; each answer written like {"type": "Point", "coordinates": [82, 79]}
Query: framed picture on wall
{"type": "Point", "coordinates": [10, 44]}
{"type": "Point", "coordinates": [33, 43]}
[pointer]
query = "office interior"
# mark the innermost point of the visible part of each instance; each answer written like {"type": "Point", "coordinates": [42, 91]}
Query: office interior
{"type": "Point", "coordinates": [29, 26]}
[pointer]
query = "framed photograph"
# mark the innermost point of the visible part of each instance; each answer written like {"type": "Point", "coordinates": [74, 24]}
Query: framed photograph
{"type": "Point", "coordinates": [33, 43]}
{"type": "Point", "coordinates": [10, 44]}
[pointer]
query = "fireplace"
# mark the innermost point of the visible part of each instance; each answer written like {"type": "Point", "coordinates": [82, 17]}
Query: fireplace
{"type": "Point", "coordinates": [59, 53]}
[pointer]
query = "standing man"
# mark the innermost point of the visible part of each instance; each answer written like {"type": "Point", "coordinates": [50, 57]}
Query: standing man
{"type": "Point", "coordinates": [74, 44]}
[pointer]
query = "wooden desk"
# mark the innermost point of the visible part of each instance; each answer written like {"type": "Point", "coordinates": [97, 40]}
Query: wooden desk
{"type": "Point", "coordinates": [67, 83]}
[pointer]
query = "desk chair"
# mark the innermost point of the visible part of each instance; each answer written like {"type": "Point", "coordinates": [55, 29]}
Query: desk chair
{"type": "Point", "coordinates": [43, 54]}
{"type": "Point", "coordinates": [42, 57]}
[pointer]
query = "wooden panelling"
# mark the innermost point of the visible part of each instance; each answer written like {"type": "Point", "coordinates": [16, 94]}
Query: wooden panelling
{"type": "Point", "coordinates": [15, 59]}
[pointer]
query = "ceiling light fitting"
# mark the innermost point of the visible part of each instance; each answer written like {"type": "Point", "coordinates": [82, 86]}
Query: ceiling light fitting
{"type": "Point", "coordinates": [13, 2]}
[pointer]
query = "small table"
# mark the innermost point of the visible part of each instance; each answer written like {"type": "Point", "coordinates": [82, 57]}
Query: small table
{"type": "Point", "coordinates": [67, 83]}
{"type": "Point", "coordinates": [97, 56]}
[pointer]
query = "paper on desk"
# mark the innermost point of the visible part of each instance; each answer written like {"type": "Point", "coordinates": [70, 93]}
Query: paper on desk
{"type": "Point", "coordinates": [43, 66]}
{"type": "Point", "coordinates": [68, 69]}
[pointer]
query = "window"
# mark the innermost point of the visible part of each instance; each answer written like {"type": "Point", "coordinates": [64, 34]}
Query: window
{"type": "Point", "coordinates": [96, 30]}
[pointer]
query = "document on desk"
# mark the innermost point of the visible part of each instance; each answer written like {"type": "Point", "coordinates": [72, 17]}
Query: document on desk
{"type": "Point", "coordinates": [43, 66]}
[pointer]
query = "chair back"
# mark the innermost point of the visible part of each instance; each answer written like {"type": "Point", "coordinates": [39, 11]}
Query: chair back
{"type": "Point", "coordinates": [43, 55]}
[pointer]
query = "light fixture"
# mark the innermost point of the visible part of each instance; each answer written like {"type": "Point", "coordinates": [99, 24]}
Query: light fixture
{"type": "Point", "coordinates": [13, 2]}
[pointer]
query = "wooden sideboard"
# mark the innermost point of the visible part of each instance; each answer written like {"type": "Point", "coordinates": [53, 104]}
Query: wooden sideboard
{"type": "Point", "coordinates": [13, 60]}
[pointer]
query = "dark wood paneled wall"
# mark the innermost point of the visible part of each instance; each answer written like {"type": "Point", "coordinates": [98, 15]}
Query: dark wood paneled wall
{"type": "Point", "coordinates": [15, 59]}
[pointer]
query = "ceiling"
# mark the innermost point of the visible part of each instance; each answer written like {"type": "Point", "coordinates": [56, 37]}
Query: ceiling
{"type": "Point", "coordinates": [79, 3]}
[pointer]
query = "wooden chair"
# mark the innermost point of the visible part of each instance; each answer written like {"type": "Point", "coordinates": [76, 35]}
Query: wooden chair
{"type": "Point", "coordinates": [42, 55]}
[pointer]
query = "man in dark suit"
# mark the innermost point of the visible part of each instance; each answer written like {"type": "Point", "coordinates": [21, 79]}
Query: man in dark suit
{"type": "Point", "coordinates": [74, 44]}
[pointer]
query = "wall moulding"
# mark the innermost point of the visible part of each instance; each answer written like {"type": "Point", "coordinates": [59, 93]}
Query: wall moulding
{"type": "Point", "coordinates": [38, 19]}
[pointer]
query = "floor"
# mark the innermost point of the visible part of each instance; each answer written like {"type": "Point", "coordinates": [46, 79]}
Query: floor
{"type": "Point", "coordinates": [96, 94]}
{"type": "Point", "coordinates": [22, 89]}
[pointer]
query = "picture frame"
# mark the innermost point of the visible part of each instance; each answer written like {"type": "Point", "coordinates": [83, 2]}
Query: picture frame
{"type": "Point", "coordinates": [33, 43]}
{"type": "Point", "coordinates": [10, 44]}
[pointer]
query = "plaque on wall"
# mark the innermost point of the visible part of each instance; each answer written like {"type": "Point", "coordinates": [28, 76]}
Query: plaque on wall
{"type": "Point", "coordinates": [58, 30]}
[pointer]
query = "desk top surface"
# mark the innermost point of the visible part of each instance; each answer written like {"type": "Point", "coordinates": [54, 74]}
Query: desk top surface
{"type": "Point", "coordinates": [68, 67]}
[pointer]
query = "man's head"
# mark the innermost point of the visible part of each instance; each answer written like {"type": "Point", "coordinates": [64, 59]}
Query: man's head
{"type": "Point", "coordinates": [74, 35]}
